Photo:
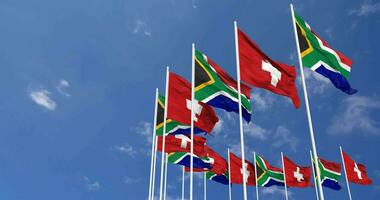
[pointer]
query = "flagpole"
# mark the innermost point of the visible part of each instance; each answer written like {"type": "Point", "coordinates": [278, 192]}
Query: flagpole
{"type": "Point", "coordinates": [257, 184]}
{"type": "Point", "coordinates": [166, 174]}
{"type": "Point", "coordinates": [283, 168]}
{"type": "Point", "coordinates": [183, 182]}
{"type": "Point", "coordinates": [229, 175]}
{"type": "Point", "coordinates": [315, 181]}
{"type": "Point", "coordinates": [240, 111]}
{"type": "Point", "coordinates": [345, 173]}
{"type": "Point", "coordinates": [204, 186]}
{"type": "Point", "coordinates": [153, 145]}
{"type": "Point", "coordinates": [315, 155]}
{"type": "Point", "coordinates": [154, 167]}
{"type": "Point", "coordinates": [192, 119]}
{"type": "Point", "coordinates": [164, 133]}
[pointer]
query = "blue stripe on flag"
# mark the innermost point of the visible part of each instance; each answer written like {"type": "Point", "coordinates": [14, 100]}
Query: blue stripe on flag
{"type": "Point", "coordinates": [337, 79]}
{"type": "Point", "coordinates": [198, 163]}
{"type": "Point", "coordinates": [331, 184]}
{"type": "Point", "coordinates": [221, 179]}
{"type": "Point", "coordinates": [272, 182]}
{"type": "Point", "coordinates": [229, 105]}
{"type": "Point", "coordinates": [186, 131]}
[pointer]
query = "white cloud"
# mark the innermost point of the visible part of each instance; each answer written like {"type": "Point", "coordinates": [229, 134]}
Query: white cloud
{"type": "Point", "coordinates": [41, 97]}
{"type": "Point", "coordinates": [129, 180]}
{"type": "Point", "coordinates": [366, 8]}
{"type": "Point", "coordinates": [145, 129]}
{"type": "Point", "coordinates": [218, 127]}
{"type": "Point", "coordinates": [60, 87]}
{"type": "Point", "coordinates": [91, 185]}
{"type": "Point", "coordinates": [126, 149]}
{"type": "Point", "coordinates": [141, 27]}
{"type": "Point", "coordinates": [316, 83]}
{"type": "Point", "coordinates": [328, 32]}
{"type": "Point", "coordinates": [356, 115]}
{"type": "Point", "coordinates": [274, 190]}
{"type": "Point", "coordinates": [255, 131]}
{"type": "Point", "coordinates": [262, 100]}
{"type": "Point", "coordinates": [283, 137]}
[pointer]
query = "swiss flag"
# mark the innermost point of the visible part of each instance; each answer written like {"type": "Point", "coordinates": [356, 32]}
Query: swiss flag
{"type": "Point", "coordinates": [356, 173]}
{"type": "Point", "coordinates": [182, 143]}
{"type": "Point", "coordinates": [179, 105]}
{"type": "Point", "coordinates": [261, 71]}
{"type": "Point", "coordinates": [296, 176]}
{"type": "Point", "coordinates": [217, 162]}
{"type": "Point", "coordinates": [237, 171]}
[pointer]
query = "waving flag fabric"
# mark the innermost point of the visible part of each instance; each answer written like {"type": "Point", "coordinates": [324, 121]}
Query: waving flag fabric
{"type": "Point", "coordinates": [268, 175]}
{"type": "Point", "coordinates": [356, 172]}
{"type": "Point", "coordinates": [296, 176]}
{"type": "Point", "coordinates": [183, 158]}
{"type": "Point", "coordinates": [330, 174]}
{"type": "Point", "coordinates": [216, 88]}
{"type": "Point", "coordinates": [259, 70]}
{"type": "Point", "coordinates": [222, 178]}
{"type": "Point", "coordinates": [317, 55]}
{"type": "Point", "coordinates": [172, 127]}
{"type": "Point", "coordinates": [182, 143]}
{"type": "Point", "coordinates": [179, 108]}
{"type": "Point", "coordinates": [237, 171]}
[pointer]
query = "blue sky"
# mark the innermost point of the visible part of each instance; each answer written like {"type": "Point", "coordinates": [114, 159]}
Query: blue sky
{"type": "Point", "coordinates": [78, 78]}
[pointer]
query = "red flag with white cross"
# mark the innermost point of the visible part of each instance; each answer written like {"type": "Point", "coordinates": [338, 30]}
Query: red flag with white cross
{"type": "Point", "coordinates": [259, 70]}
{"type": "Point", "coordinates": [182, 143]}
{"type": "Point", "coordinates": [356, 172]}
{"type": "Point", "coordinates": [179, 105]}
{"type": "Point", "coordinates": [296, 176]}
{"type": "Point", "coordinates": [237, 171]}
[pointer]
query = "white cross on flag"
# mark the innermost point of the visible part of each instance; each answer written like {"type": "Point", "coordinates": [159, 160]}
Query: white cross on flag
{"type": "Point", "coordinates": [356, 173]}
{"type": "Point", "coordinates": [296, 176]}
{"type": "Point", "coordinates": [179, 105]}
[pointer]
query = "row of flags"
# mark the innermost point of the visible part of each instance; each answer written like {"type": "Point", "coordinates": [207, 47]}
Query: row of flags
{"type": "Point", "coordinates": [262, 172]}
{"type": "Point", "coordinates": [213, 87]}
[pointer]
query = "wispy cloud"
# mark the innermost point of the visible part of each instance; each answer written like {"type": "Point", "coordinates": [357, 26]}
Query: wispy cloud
{"type": "Point", "coordinates": [130, 180]}
{"type": "Point", "coordinates": [145, 129]}
{"type": "Point", "coordinates": [61, 86]}
{"type": "Point", "coordinates": [91, 185]}
{"type": "Point", "coordinates": [283, 137]}
{"type": "Point", "coordinates": [41, 97]}
{"type": "Point", "coordinates": [275, 190]}
{"type": "Point", "coordinates": [365, 9]}
{"type": "Point", "coordinates": [356, 115]}
{"type": "Point", "coordinates": [262, 100]}
{"type": "Point", "coordinates": [315, 82]}
{"type": "Point", "coordinates": [255, 131]}
{"type": "Point", "coordinates": [140, 27]}
{"type": "Point", "coordinates": [126, 149]}
{"type": "Point", "coordinates": [329, 32]}
{"type": "Point", "coordinates": [218, 127]}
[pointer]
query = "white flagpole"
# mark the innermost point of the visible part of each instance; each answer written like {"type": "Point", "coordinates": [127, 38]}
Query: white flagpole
{"type": "Point", "coordinates": [154, 168]}
{"type": "Point", "coordinates": [183, 182]}
{"type": "Point", "coordinates": [153, 149]}
{"type": "Point", "coordinates": [204, 186]}
{"type": "Point", "coordinates": [257, 184]}
{"type": "Point", "coordinates": [192, 119]}
{"type": "Point", "coordinates": [314, 147]}
{"type": "Point", "coordinates": [315, 181]}
{"type": "Point", "coordinates": [240, 111]}
{"type": "Point", "coordinates": [345, 173]}
{"type": "Point", "coordinates": [229, 176]}
{"type": "Point", "coordinates": [166, 174]}
{"type": "Point", "coordinates": [283, 168]}
{"type": "Point", "coordinates": [164, 133]}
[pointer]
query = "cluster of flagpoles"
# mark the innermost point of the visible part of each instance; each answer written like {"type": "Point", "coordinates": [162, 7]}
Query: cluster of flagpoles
{"type": "Point", "coordinates": [164, 156]}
